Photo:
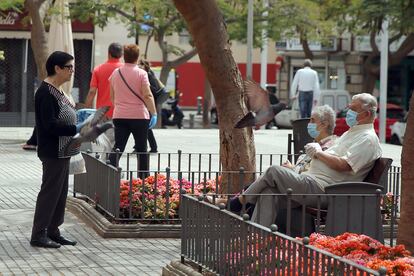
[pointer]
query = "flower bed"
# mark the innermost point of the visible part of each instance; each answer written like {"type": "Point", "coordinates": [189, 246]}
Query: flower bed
{"type": "Point", "coordinates": [367, 252]}
{"type": "Point", "coordinates": [288, 257]}
{"type": "Point", "coordinates": [154, 199]}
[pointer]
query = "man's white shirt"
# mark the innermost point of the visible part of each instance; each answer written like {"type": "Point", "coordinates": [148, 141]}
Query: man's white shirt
{"type": "Point", "coordinates": [306, 79]}
{"type": "Point", "coordinates": [359, 146]}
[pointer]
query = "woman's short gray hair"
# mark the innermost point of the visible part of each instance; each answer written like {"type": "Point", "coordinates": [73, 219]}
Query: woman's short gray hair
{"type": "Point", "coordinates": [368, 102]}
{"type": "Point", "coordinates": [326, 115]}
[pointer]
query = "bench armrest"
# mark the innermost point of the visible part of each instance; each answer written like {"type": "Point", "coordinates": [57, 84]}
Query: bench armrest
{"type": "Point", "coordinates": [352, 188]}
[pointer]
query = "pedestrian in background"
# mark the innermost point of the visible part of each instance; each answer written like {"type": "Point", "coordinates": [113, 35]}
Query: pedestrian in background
{"type": "Point", "coordinates": [306, 84]}
{"type": "Point", "coordinates": [134, 107]}
{"type": "Point", "coordinates": [55, 124]}
{"type": "Point", "coordinates": [100, 79]}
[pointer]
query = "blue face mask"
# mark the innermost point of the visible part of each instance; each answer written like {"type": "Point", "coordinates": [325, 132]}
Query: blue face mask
{"type": "Point", "coordinates": [313, 132]}
{"type": "Point", "coordinates": [351, 118]}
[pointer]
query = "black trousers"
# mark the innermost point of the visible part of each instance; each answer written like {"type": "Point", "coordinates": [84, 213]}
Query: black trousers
{"type": "Point", "coordinates": [33, 139]}
{"type": "Point", "coordinates": [151, 140]}
{"type": "Point", "coordinates": [139, 129]}
{"type": "Point", "coordinates": [51, 200]}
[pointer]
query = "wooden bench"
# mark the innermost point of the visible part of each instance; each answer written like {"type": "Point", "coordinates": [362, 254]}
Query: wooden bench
{"type": "Point", "coordinates": [345, 214]}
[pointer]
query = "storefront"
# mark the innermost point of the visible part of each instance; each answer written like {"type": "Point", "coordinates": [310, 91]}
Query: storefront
{"type": "Point", "coordinates": [18, 70]}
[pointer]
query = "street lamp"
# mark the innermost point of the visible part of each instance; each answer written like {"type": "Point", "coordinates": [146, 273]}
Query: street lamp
{"type": "Point", "coordinates": [249, 69]}
{"type": "Point", "coordinates": [383, 81]}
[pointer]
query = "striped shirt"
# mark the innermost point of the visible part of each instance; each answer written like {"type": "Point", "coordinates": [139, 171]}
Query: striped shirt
{"type": "Point", "coordinates": [55, 122]}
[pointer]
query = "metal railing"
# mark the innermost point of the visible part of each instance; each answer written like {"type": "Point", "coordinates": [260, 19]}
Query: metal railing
{"type": "Point", "coordinates": [121, 196]}
{"type": "Point", "coordinates": [227, 244]}
{"type": "Point", "coordinates": [187, 161]}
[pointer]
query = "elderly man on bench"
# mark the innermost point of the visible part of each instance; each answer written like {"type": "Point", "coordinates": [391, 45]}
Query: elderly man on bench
{"type": "Point", "coordinates": [350, 159]}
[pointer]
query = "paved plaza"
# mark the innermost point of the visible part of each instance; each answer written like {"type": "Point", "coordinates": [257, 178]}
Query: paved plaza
{"type": "Point", "coordinates": [20, 178]}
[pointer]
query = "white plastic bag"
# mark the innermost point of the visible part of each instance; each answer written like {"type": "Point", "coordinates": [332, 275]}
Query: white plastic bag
{"type": "Point", "coordinates": [77, 164]}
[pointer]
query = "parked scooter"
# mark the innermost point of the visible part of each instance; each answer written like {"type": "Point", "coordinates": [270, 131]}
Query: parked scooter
{"type": "Point", "coordinates": [169, 109]}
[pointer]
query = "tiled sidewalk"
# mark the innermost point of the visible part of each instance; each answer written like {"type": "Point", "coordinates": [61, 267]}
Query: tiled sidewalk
{"type": "Point", "coordinates": [20, 178]}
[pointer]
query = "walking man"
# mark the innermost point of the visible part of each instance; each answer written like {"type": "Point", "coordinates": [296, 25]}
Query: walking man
{"type": "Point", "coordinates": [100, 79]}
{"type": "Point", "coordinates": [306, 83]}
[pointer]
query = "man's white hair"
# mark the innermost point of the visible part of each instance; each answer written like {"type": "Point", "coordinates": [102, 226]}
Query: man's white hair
{"type": "Point", "coordinates": [307, 62]}
{"type": "Point", "coordinates": [368, 102]}
{"type": "Point", "coordinates": [326, 115]}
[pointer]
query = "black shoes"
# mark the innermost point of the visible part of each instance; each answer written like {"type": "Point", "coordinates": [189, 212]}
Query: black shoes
{"type": "Point", "coordinates": [62, 240]}
{"type": "Point", "coordinates": [44, 241]}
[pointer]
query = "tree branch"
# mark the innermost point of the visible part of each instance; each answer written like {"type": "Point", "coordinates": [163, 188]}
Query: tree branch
{"type": "Point", "coordinates": [130, 17]}
{"type": "Point", "coordinates": [305, 46]}
{"type": "Point", "coordinates": [394, 38]}
{"type": "Point", "coordinates": [184, 58]}
{"type": "Point", "coordinates": [406, 47]}
{"type": "Point", "coordinates": [373, 43]}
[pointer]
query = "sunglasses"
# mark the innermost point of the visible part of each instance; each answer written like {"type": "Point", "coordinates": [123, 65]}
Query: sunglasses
{"type": "Point", "coordinates": [69, 67]}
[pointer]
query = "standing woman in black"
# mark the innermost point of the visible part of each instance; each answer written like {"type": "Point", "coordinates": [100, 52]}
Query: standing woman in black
{"type": "Point", "coordinates": [55, 124]}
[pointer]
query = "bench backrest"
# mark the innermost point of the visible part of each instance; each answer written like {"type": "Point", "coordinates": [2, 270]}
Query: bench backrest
{"type": "Point", "coordinates": [379, 173]}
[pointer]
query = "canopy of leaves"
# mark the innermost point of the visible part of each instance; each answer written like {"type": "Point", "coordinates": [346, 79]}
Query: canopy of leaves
{"type": "Point", "coordinates": [307, 19]}
{"type": "Point", "coordinates": [11, 4]}
{"type": "Point", "coordinates": [157, 15]}
{"type": "Point", "coordinates": [365, 16]}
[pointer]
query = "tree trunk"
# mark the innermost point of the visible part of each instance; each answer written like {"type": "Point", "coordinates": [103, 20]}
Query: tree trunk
{"type": "Point", "coordinates": [38, 36]}
{"type": "Point", "coordinates": [208, 29]}
{"type": "Point", "coordinates": [165, 71]}
{"type": "Point", "coordinates": [370, 79]}
{"type": "Point", "coordinates": [405, 227]}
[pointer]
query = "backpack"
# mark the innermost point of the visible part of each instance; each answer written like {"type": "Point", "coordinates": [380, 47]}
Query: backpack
{"type": "Point", "coordinates": [157, 88]}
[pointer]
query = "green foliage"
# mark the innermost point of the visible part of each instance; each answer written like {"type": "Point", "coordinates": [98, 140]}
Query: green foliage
{"type": "Point", "coordinates": [366, 16]}
{"type": "Point", "coordinates": [11, 4]}
{"type": "Point", "coordinates": [307, 19]}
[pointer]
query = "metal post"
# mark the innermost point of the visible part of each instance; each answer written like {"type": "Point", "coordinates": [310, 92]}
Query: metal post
{"type": "Point", "coordinates": [23, 108]}
{"type": "Point", "coordinates": [191, 120]}
{"type": "Point", "coordinates": [264, 52]}
{"type": "Point", "coordinates": [199, 100]}
{"type": "Point", "coordinates": [249, 69]}
{"type": "Point", "coordinates": [383, 81]}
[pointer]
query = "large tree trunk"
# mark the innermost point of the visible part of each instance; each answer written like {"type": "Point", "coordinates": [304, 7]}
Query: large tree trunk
{"type": "Point", "coordinates": [209, 33]}
{"type": "Point", "coordinates": [38, 36]}
{"type": "Point", "coordinates": [405, 227]}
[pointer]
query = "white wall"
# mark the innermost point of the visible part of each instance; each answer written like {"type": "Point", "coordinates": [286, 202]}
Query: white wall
{"type": "Point", "coordinates": [116, 32]}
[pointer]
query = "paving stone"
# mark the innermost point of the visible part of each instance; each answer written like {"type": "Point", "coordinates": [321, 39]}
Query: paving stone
{"type": "Point", "coordinates": [20, 179]}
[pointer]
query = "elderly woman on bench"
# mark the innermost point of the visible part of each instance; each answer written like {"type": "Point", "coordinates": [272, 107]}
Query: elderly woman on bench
{"type": "Point", "coordinates": [320, 128]}
{"type": "Point", "coordinates": [349, 159]}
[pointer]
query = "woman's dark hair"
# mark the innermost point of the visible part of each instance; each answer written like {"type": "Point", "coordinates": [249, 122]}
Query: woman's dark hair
{"type": "Point", "coordinates": [57, 58]}
{"type": "Point", "coordinates": [144, 64]}
{"type": "Point", "coordinates": [131, 53]}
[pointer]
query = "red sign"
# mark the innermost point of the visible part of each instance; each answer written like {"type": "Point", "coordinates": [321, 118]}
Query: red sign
{"type": "Point", "coordinates": [14, 21]}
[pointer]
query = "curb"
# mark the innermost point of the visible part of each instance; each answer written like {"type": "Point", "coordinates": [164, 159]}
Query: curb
{"type": "Point", "coordinates": [176, 268]}
{"type": "Point", "coordinates": [106, 229]}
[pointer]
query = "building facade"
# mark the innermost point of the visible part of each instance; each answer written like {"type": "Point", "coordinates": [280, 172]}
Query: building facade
{"type": "Point", "coordinates": [340, 65]}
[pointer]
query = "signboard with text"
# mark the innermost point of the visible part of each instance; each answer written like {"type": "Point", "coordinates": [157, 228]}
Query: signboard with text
{"type": "Point", "coordinates": [294, 44]}
{"type": "Point", "coordinates": [14, 21]}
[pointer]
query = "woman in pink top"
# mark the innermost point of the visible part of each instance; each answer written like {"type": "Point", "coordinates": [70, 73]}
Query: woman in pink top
{"type": "Point", "coordinates": [134, 107]}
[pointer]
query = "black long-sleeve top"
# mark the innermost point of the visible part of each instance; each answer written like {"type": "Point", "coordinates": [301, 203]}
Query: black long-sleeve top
{"type": "Point", "coordinates": [55, 122]}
